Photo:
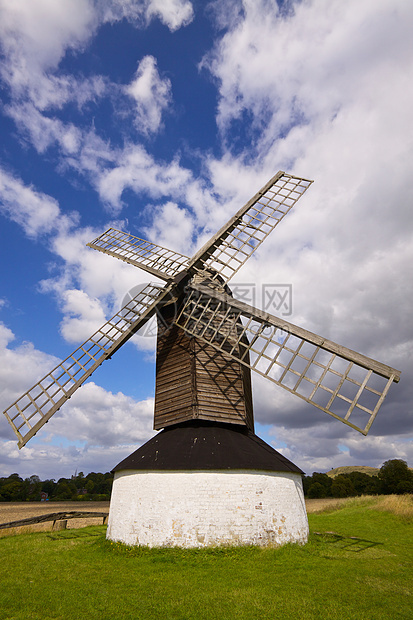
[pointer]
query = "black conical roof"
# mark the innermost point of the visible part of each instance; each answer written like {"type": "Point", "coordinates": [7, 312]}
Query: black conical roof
{"type": "Point", "coordinates": [202, 445]}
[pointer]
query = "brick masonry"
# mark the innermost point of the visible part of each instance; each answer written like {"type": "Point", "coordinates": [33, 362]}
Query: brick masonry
{"type": "Point", "coordinates": [207, 508]}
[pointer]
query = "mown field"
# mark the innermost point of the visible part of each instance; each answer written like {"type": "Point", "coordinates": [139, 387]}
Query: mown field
{"type": "Point", "coordinates": [357, 565]}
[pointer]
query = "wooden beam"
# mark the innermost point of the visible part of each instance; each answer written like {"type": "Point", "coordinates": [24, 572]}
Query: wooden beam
{"type": "Point", "coordinates": [358, 358]}
{"type": "Point", "coordinates": [54, 516]}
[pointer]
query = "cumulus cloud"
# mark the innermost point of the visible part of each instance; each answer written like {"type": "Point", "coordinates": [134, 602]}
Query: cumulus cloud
{"type": "Point", "coordinates": [34, 37]}
{"type": "Point", "coordinates": [89, 287]}
{"type": "Point", "coordinates": [94, 419]}
{"type": "Point", "coordinates": [83, 316]}
{"type": "Point", "coordinates": [59, 460]}
{"type": "Point", "coordinates": [319, 450]}
{"type": "Point", "coordinates": [173, 13]}
{"type": "Point", "coordinates": [97, 274]}
{"type": "Point", "coordinates": [100, 418]}
{"type": "Point", "coordinates": [138, 170]}
{"type": "Point", "coordinates": [34, 211]}
{"type": "Point", "coordinates": [172, 227]}
{"type": "Point", "coordinates": [20, 368]}
{"type": "Point", "coordinates": [311, 70]}
{"type": "Point", "coordinates": [334, 112]}
{"type": "Point", "coordinates": [43, 131]}
{"type": "Point", "coordinates": [151, 94]}
{"type": "Point", "coordinates": [40, 30]}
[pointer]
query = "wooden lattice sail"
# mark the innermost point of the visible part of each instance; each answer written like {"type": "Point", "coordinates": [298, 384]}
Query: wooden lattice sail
{"type": "Point", "coordinates": [209, 341]}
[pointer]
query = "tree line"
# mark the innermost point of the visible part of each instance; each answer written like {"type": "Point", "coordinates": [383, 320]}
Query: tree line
{"type": "Point", "coordinates": [94, 486]}
{"type": "Point", "coordinates": [394, 476]}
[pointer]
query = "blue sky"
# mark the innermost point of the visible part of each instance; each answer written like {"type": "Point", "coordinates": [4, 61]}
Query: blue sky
{"type": "Point", "coordinates": [163, 118]}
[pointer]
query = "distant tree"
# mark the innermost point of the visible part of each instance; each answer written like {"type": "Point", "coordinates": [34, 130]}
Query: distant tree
{"type": "Point", "coordinates": [33, 487]}
{"type": "Point", "coordinates": [342, 486]}
{"type": "Point", "coordinates": [97, 486]}
{"type": "Point", "coordinates": [49, 487]}
{"type": "Point", "coordinates": [316, 491]}
{"type": "Point", "coordinates": [307, 480]}
{"type": "Point", "coordinates": [13, 489]}
{"type": "Point", "coordinates": [65, 490]}
{"type": "Point", "coordinates": [320, 479]}
{"type": "Point", "coordinates": [395, 477]}
{"type": "Point", "coordinates": [404, 486]}
{"type": "Point", "coordinates": [363, 483]}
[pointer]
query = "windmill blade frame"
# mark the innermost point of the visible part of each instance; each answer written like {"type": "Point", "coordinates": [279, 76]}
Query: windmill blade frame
{"type": "Point", "coordinates": [36, 406]}
{"type": "Point", "coordinates": [155, 259]}
{"type": "Point", "coordinates": [228, 250]}
{"type": "Point", "coordinates": [313, 368]}
{"type": "Point", "coordinates": [335, 379]}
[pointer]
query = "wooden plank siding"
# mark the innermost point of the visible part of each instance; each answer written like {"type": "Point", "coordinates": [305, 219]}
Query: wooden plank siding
{"type": "Point", "coordinates": [195, 381]}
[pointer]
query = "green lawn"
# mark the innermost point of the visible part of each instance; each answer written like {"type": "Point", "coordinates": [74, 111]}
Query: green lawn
{"type": "Point", "coordinates": [357, 564]}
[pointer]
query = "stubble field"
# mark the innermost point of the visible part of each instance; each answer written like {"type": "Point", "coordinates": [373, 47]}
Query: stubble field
{"type": "Point", "coordinates": [15, 511]}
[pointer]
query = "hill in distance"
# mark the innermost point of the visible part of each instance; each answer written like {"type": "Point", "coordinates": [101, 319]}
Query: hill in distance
{"type": "Point", "coordinates": [347, 469]}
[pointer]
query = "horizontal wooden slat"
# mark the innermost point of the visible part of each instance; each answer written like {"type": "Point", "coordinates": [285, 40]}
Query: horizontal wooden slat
{"type": "Point", "coordinates": [150, 257]}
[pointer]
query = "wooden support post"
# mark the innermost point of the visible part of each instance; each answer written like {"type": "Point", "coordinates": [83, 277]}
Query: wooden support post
{"type": "Point", "coordinates": [60, 524]}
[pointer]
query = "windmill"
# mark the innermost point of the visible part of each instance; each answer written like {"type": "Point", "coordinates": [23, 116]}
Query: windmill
{"type": "Point", "coordinates": [206, 478]}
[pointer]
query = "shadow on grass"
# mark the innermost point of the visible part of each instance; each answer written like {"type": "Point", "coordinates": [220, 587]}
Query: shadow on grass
{"type": "Point", "coordinates": [86, 532]}
{"type": "Point", "coordinates": [346, 543]}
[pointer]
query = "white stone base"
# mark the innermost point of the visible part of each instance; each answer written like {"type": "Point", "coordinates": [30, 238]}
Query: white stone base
{"type": "Point", "coordinates": [207, 508]}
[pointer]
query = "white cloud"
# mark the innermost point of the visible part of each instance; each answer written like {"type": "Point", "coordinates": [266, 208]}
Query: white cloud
{"type": "Point", "coordinates": [44, 131]}
{"type": "Point", "coordinates": [94, 155]}
{"type": "Point", "coordinates": [151, 94]}
{"type": "Point", "coordinates": [137, 170]}
{"type": "Point", "coordinates": [173, 13]}
{"type": "Point", "coordinates": [40, 30]}
{"type": "Point", "coordinates": [20, 368]}
{"type": "Point", "coordinates": [83, 316]}
{"type": "Point", "coordinates": [59, 460]}
{"type": "Point", "coordinates": [98, 417]}
{"type": "Point", "coordinates": [104, 283]}
{"type": "Point", "coordinates": [320, 449]}
{"type": "Point", "coordinates": [35, 35]}
{"type": "Point", "coordinates": [93, 420]}
{"type": "Point", "coordinates": [289, 69]}
{"type": "Point", "coordinates": [171, 227]}
{"type": "Point", "coordinates": [34, 211]}
{"type": "Point", "coordinates": [97, 274]}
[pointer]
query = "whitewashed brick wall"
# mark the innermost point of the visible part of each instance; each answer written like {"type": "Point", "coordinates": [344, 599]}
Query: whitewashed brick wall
{"type": "Point", "coordinates": [198, 509]}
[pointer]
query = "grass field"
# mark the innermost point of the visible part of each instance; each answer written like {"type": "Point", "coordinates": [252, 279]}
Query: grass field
{"type": "Point", "coordinates": [357, 564]}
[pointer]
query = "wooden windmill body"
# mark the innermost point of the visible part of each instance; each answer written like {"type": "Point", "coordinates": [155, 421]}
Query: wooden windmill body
{"type": "Point", "coordinates": [206, 478]}
{"type": "Point", "coordinates": [195, 381]}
